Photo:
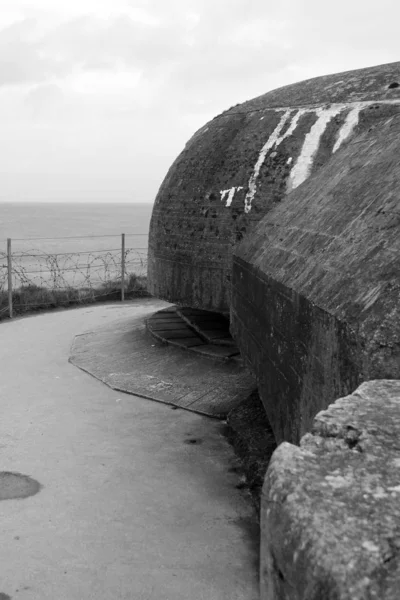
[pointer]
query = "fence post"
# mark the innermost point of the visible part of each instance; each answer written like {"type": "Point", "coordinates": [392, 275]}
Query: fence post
{"type": "Point", "coordinates": [9, 269]}
{"type": "Point", "coordinates": [122, 267]}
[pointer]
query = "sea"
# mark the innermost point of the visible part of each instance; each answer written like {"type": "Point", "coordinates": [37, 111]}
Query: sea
{"type": "Point", "coordinates": [63, 240]}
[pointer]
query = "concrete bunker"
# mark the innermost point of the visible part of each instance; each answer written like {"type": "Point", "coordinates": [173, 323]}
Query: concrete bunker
{"type": "Point", "coordinates": [243, 164]}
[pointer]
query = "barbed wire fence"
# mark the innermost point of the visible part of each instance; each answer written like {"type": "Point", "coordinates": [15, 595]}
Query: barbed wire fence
{"type": "Point", "coordinates": [33, 277]}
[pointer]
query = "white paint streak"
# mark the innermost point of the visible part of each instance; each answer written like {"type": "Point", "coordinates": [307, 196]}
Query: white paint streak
{"type": "Point", "coordinates": [223, 194]}
{"type": "Point", "coordinates": [303, 165]}
{"type": "Point", "coordinates": [349, 125]}
{"type": "Point", "coordinates": [231, 192]}
{"type": "Point", "coordinates": [274, 140]}
{"type": "Point", "coordinates": [302, 168]}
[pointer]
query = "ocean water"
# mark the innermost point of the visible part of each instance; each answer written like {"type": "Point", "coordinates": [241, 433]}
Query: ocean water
{"type": "Point", "coordinates": [33, 220]}
{"type": "Point", "coordinates": [70, 243]}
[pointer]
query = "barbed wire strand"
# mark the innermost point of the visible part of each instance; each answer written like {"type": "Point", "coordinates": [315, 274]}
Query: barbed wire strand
{"type": "Point", "coordinates": [58, 273]}
{"type": "Point", "coordinates": [75, 237]}
{"type": "Point", "coordinates": [23, 255]}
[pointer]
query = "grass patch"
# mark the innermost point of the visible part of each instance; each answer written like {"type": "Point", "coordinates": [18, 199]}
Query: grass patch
{"type": "Point", "coordinates": [34, 298]}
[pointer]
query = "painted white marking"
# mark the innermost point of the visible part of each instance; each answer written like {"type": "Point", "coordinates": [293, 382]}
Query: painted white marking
{"type": "Point", "coordinates": [303, 165]}
{"type": "Point", "coordinates": [261, 158]}
{"type": "Point", "coordinates": [231, 192]}
{"type": "Point", "coordinates": [223, 194]}
{"type": "Point", "coordinates": [350, 124]}
{"type": "Point", "coordinates": [302, 168]}
{"type": "Point", "coordinates": [274, 140]}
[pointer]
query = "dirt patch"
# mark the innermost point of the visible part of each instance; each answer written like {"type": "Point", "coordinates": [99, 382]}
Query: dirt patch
{"type": "Point", "coordinates": [249, 432]}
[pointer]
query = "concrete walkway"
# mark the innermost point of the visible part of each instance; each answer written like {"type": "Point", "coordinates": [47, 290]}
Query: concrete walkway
{"type": "Point", "coordinates": [138, 501]}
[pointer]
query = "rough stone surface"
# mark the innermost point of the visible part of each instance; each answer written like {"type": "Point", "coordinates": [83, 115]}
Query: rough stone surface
{"type": "Point", "coordinates": [315, 306]}
{"type": "Point", "coordinates": [242, 164]}
{"type": "Point", "coordinates": [330, 525]}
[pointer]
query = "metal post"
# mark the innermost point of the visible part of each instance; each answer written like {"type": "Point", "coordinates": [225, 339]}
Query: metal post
{"type": "Point", "coordinates": [122, 267]}
{"type": "Point", "coordinates": [9, 267]}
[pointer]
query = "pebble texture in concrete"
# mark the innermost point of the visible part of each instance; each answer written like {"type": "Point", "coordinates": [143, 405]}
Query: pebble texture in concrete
{"type": "Point", "coordinates": [330, 522]}
{"type": "Point", "coordinates": [241, 165]}
{"type": "Point", "coordinates": [129, 506]}
{"type": "Point", "coordinates": [126, 357]}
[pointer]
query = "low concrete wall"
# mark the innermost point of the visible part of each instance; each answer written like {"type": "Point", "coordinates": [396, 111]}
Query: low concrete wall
{"type": "Point", "coordinates": [330, 509]}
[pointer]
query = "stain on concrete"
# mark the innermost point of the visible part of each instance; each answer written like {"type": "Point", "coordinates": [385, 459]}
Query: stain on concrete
{"type": "Point", "coordinates": [251, 535]}
{"type": "Point", "coordinates": [4, 596]}
{"type": "Point", "coordinates": [16, 486]}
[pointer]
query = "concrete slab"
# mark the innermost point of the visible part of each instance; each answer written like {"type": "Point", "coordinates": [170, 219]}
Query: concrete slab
{"type": "Point", "coordinates": [126, 357]}
{"type": "Point", "coordinates": [137, 501]}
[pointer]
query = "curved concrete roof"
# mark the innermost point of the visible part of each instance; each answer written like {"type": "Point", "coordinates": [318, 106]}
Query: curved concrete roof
{"type": "Point", "coordinates": [242, 164]}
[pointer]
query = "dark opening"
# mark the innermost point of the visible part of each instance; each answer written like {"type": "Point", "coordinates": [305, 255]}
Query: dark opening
{"type": "Point", "coordinates": [393, 85]}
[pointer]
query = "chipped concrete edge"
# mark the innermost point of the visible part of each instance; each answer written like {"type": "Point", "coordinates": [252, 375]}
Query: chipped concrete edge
{"type": "Point", "coordinates": [330, 508]}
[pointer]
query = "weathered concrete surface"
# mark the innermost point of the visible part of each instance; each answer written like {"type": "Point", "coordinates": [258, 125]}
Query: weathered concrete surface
{"type": "Point", "coordinates": [242, 164]}
{"type": "Point", "coordinates": [316, 287]}
{"type": "Point", "coordinates": [126, 357]}
{"type": "Point", "coordinates": [129, 507]}
{"type": "Point", "coordinates": [330, 525]}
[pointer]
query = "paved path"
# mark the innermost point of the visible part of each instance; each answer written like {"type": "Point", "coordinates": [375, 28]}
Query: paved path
{"type": "Point", "coordinates": [130, 507]}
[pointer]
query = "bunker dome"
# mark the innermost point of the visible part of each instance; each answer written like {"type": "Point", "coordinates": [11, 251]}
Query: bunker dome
{"type": "Point", "coordinates": [244, 163]}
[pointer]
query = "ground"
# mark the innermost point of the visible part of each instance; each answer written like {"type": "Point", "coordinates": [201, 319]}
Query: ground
{"type": "Point", "coordinates": [127, 506]}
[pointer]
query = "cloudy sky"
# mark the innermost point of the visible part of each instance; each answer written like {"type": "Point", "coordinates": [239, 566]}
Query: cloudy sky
{"type": "Point", "coordinates": [98, 97]}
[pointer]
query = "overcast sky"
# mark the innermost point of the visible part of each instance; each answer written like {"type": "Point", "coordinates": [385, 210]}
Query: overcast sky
{"type": "Point", "coordinates": [98, 97]}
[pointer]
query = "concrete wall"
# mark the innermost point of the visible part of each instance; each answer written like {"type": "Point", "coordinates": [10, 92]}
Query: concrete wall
{"type": "Point", "coordinates": [330, 510]}
{"type": "Point", "coordinates": [316, 287]}
{"type": "Point", "coordinates": [241, 165]}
